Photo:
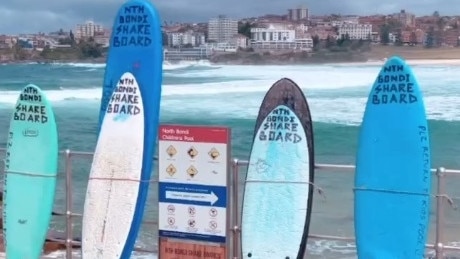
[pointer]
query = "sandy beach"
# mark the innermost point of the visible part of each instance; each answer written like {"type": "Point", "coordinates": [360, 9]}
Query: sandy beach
{"type": "Point", "coordinates": [414, 53]}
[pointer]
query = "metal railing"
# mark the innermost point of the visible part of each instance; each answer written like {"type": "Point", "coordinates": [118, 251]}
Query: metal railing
{"type": "Point", "coordinates": [441, 196]}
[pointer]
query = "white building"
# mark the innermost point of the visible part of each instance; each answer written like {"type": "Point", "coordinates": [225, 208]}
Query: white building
{"type": "Point", "coordinates": [355, 31]}
{"type": "Point", "coordinates": [222, 29]}
{"type": "Point", "coordinates": [278, 38]}
{"type": "Point", "coordinates": [103, 37]}
{"type": "Point", "coordinates": [87, 30]}
{"type": "Point", "coordinates": [176, 39]}
{"type": "Point", "coordinates": [240, 41]}
{"type": "Point", "coordinates": [272, 34]}
{"type": "Point", "coordinates": [220, 47]}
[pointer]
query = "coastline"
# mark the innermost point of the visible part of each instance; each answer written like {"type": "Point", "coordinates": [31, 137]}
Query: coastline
{"type": "Point", "coordinates": [376, 56]}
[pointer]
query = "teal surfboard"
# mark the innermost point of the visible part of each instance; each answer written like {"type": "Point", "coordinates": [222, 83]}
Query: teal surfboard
{"type": "Point", "coordinates": [30, 175]}
{"type": "Point", "coordinates": [278, 193]}
{"type": "Point", "coordinates": [393, 180]}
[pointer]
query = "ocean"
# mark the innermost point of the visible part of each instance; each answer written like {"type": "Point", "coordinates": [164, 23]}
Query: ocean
{"type": "Point", "coordinates": [204, 94]}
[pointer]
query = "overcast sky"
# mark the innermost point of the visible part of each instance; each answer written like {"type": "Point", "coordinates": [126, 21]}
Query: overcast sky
{"type": "Point", "coordinates": [26, 16]}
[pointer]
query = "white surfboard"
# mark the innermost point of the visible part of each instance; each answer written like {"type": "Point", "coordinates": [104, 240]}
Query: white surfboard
{"type": "Point", "coordinates": [113, 184]}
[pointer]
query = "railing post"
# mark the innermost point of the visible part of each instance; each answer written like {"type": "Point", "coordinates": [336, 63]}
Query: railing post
{"type": "Point", "coordinates": [439, 246]}
{"type": "Point", "coordinates": [68, 188]}
{"type": "Point", "coordinates": [236, 228]}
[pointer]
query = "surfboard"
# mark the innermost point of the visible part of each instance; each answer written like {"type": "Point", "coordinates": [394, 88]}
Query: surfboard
{"type": "Point", "coordinates": [278, 195]}
{"type": "Point", "coordinates": [136, 47]}
{"type": "Point", "coordinates": [393, 180]}
{"type": "Point", "coordinates": [31, 164]}
{"type": "Point", "coordinates": [114, 180]}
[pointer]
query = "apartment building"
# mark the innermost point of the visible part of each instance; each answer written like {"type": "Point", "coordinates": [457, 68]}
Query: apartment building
{"type": "Point", "coordinates": [279, 38]}
{"type": "Point", "coordinates": [405, 18]}
{"type": "Point", "coordinates": [298, 14]}
{"type": "Point", "coordinates": [88, 29]}
{"type": "Point", "coordinates": [240, 41]}
{"type": "Point", "coordinates": [221, 29]}
{"type": "Point", "coordinates": [7, 42]}
{"type": "Point", "coordinates": [323, 32]}
{"type": "Point", "coordinates": [103, 37]}
{"type": "Point", "coordinates": [355, 31]}
{"type": "Point", "coordinates": [176, 39]}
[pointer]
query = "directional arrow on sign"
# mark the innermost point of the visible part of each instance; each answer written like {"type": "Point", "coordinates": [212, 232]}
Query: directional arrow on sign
{"type": "Point", "coordinates": [189, 196]}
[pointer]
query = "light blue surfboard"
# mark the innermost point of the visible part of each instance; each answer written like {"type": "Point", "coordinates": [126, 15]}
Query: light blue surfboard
{"type": "Point", "coordinates": [30, 175]}
{"type": "Point", "coordinates": [393, 180]}
{"type": "Point", "coordinates": [278, 193]}
{"type": "Point", "coordinates": [136, 47]}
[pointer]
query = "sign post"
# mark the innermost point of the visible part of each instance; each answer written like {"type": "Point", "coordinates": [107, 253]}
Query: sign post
{"type": "Point", "coordinates": [193, 175]}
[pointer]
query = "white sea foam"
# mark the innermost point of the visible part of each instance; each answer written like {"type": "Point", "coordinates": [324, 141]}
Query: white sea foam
{"type": "Point", "coordinates": [336, 93]}
{"type": "Point", "coordinates": [85, 65]}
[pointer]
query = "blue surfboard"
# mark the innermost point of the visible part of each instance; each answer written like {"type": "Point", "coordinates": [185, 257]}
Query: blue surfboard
{"type": "Point", "coordinates": [278, 193]}
{"type": "Point", "coordinates": [393, 180]}
{"type": "Point", "coordinates": [136, 47]}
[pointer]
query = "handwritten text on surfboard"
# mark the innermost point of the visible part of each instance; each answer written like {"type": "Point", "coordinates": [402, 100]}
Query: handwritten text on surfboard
{"type": "Point", "coordinates": [27, 110]}
{"type": "Point", "coordinates": [394, 88]}
{"type": "Point", "coordinates": [5, 182]}
{"type": "Point", "coordinates": [424, 210]}
{"type": "Point", "coordinates": [280, 126]}
{"type": "Point", "coordinates": [124, 99]}
{"type": "Point", "coordinates": [133, 29]}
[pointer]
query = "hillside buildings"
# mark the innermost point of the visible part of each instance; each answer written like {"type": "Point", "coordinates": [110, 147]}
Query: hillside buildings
{"type": "Point", "coordinates": [295, 30]}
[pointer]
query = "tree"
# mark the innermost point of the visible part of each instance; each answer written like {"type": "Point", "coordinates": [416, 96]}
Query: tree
{"type": "Point", "coordinates": [430, 38]}
{"type": "Point", "coordinates": [72, 38]}
{"type": "Point", "coordinates": [19, 52]}
{"type": "Point", "coordinates": [315, 42]}
{"type": "Point", "coordinates": [344, 40]}
{"type": "Point", "coordinates": [385, 34]}
{"type": "Point", "coordinates": [45, 52]}
{"type": "Point", "coordinates": [244, 29]}
{"type": "Point", "coordinates": [330, 42]}
{"type": "Point", "coordinates": [165, 40]}
{"type": "Point", "coordinates": [413, 38]}
{"type": "Point", "coordinates": [90, 49]}
{"type": "Point", "coordinates": [441, 22]}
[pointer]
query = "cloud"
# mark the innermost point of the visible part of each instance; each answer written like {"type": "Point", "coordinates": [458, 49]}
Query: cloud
{"type": "Point", "coordinates": [25, 16]}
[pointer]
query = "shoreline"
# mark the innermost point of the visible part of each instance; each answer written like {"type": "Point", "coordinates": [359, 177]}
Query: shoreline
{"type": "Point", "coordinates": [410, 61]}
{"type": "Point", "coordinates": [369, 60]}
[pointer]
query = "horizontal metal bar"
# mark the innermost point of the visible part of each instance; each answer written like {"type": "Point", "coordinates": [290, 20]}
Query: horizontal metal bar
{"type": "Point", "coordinates": [348, 167]}
{"type": "Point", "coordinates": [351, 239]}
{"type": "Point", "coordinates": [142, 250]}
{"type": "Point", "coordinates": [326, 237]}
{"type": "Point", "coordinates": [451, 171]}
{"type": "Point", "coordinates": [242, 162]}
{"type": "Point", "coordinates": [451, 248]}
{"type": "Point", "coordinates": [78, 243]}
{"type": "Point", "coordinates": [57, 213]}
